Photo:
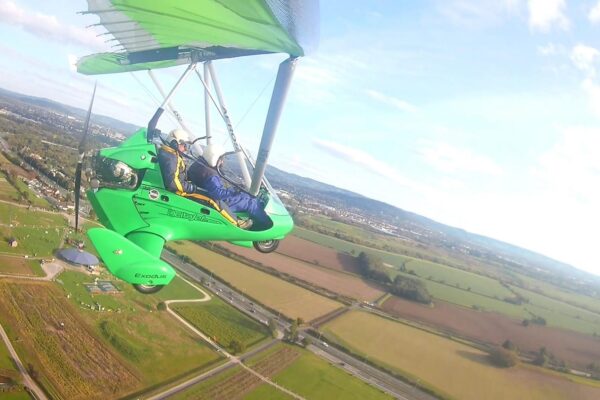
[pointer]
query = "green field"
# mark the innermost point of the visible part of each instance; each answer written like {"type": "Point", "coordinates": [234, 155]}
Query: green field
{"type": "Point", "coordinates": [575, 299]}
{"type": "Point", "coordinates": [222, 322]}
{"type": "Point", "coordinates": [450, 368]}
{"type": "Point", "coordinates": [7, 191]}
{"type": "Point", "coordinates": [38, 233]}
{"type": "Point", "coordinates": [275, 293]}
{"type": "Point", "coordinates": [131, 324]}
{"type": "Point", "coordinates": [307, 375]}
{"type": "Point", "coordinates": [17, 265]}
{"type": "Point", "coordinates": [314, 378]}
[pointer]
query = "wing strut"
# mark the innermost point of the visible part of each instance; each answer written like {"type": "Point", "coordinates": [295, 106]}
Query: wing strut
{"type": "Point", "coordinates": [280, 90]}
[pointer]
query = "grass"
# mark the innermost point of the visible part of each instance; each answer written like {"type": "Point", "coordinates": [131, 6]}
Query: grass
{"type": "Point", "coordinates": [20, 266]}
{"type": "Point", "coordinates": [314, 378]}
{"type": "Point", "coordinates": [133, 327]}
{"type": "Point", "coordinates": [5, 359]}
{"type": "Point", "coordinates": [275, 293]}
{"type": "Point", "coordinates": [451, 368]}
{"type": "Point", "coordinates": [7, 191]}
{"type": "Point", "coordinates": [222, 322]}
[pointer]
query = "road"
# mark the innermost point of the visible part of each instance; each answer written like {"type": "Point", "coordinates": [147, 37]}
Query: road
{"type": "Point", "coordinates": [27, 379]}
{"type": "Point", "coordinates": [361, 370]}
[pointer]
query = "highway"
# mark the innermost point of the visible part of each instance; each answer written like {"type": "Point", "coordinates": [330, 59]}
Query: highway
{"type": "Point", "coordinates": [361, 370]}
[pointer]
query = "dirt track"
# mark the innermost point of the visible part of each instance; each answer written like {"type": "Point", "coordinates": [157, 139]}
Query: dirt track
{"type": "Point", "coordinates": [576, 349]}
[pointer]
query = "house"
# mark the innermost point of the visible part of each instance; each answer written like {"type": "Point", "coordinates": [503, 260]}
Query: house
{"type": "Point", "coordinates": [13, 242]}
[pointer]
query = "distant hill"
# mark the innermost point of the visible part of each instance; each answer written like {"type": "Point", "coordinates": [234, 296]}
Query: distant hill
{"type": "Point", "coordinates": [425, 230]}
{"type": "Point", "coordinates": [120, 126]}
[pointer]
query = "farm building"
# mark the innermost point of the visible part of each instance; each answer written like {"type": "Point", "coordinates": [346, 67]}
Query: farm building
{"type": "Point", "coordinates": [13, 242]}
{"type": "Point", "coordinates": [78, 257]}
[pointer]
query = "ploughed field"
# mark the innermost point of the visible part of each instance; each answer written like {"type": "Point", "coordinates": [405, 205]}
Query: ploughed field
{"type": "Point", "coordinates": [314, 253]}
{"type": "Point", "coordinates": [577, 349]}
{"type": "Point", "coordinates": [66, 356]}
{"type": "Point", "coordinates": [334, 281]}
{"type": "Point", "coordinates": [450, 368]}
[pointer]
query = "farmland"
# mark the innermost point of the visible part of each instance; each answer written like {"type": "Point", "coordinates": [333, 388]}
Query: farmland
{"type": "Point", "coordinates": [313, 253]}
{"type": "Point", "coordinates": [222, 322]}
{"type": "Point", "coordinates": [19, 265]}
{"type": "Point", "coordinates": [284, 297]}
{"type": "Point", "coordinates": [333, 281]}
{"type": "Point", "coordinates": [50, 335]}
{"type": "Point", "coordinates": [239, 382]}
{"type": "Point", "coordinates": [131, 325]}
{"type": "Point", "coordinates": [313, 378]}
{"type": "Point", "coordinates": [448, 367]}
{"type": "Point", "coordinates": [576, 349]}
{"type": "Point", "coordinates": [7, 191]}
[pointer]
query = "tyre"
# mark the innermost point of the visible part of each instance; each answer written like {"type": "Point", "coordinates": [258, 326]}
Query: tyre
{"type": "Point", "coordinates": [266, 246]}
{"type": "Point", "coordinates": [148, 289]}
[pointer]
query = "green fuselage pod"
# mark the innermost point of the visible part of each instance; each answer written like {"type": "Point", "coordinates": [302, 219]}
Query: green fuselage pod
{"type": "Point", "coordinates": [146, 215]}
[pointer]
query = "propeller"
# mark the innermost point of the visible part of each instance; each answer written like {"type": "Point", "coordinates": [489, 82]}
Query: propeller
{"type": "Point", "coordinates": [81, 150]}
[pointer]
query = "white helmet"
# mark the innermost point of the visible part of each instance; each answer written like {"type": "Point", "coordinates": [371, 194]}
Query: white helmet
{"type": "Point", "coordinates": [178, 135]}
{"type": "Point", "coordinates": [212, 153]}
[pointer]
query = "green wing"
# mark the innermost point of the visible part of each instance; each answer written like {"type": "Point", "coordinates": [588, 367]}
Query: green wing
{"type": "Point", "coordinates": [159, 33]}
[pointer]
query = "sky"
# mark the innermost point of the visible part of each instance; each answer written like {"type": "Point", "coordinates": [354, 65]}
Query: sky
{"type": "Point", "coordinates": [480, 114]}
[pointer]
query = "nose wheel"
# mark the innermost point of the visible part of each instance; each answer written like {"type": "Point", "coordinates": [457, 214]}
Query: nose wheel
{"type": "Point", "coordinates": [266, 246]}
{"type": "Point", "coordinates": [148, 289]}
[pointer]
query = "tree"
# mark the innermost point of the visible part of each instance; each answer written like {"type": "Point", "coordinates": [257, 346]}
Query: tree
{"type": "Point", "coordinates": [508, 345]}
{"type": "Point", "coordinates": [161, 306]}
{"type": "Point", "coordinates": [293, 333]}
{"type": "Point", "coordinates": [236, 346]}
{"type": "Point", "coordinates": [502, 357]}
{"type": "Point", "coordinates": [542, 358]}
{"type": "Point", "coordinates": [273, 327]}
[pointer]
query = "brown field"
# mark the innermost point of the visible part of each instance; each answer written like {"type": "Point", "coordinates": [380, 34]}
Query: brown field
{"type": "Point", "coordinates": [291, 300]}
{"type": "Point", "coordinates": [333, 281]}
{"type": "Point", "coordinates": [15, 265]}
{"type": "Point", "coordinates": [314, 253]}
{"type": "Point", "coordinates": [69, 360]}
{"type": "Point", "coordinates": [451, 368]}
{"type": "Point", "coordinates": [578, 350]}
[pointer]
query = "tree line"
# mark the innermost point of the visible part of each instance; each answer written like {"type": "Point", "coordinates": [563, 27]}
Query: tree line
{"type": "Point", "coordinates": [372, 267]}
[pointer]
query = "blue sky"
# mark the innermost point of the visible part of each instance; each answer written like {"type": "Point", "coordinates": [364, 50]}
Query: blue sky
{"type": "Point", "coordinates": [481, 114]}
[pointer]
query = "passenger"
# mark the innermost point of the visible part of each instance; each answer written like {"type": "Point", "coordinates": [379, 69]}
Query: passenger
{"type": "Point", "coordinates": [174, 174]}
{"type": "Point", "coordinates": [208, 179]}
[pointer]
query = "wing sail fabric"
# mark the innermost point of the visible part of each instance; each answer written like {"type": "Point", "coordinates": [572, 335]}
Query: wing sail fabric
{"type": "Point", "coordinates": [157, 34]}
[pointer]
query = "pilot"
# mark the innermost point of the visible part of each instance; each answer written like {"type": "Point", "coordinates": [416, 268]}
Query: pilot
{"type": "Point", "coordinates": [207, 177]}
{"type": "Point", "coordinates": [174, 174]}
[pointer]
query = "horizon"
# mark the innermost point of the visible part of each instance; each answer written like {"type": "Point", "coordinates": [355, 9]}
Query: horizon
{"type": "Point", "coordinates": [479, 116]}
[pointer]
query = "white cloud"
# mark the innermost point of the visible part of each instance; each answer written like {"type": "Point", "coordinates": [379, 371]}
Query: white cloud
{"type": "Point", "coordinates": [391, 101]}
{"type": "Point", "coordinates": [584, 57]}
{"type": "Point", "coordinates": [592, 90]}
{"type": "Point", "coordinates": [545, 14]}
{"type": "Point", "coordinates": [451, 159]}
{"type": "Point", "coordinates": [363, 159]}
{"type": "Point", "coordinates": [48, 26]}
{"type": "Point", "coordinates": [479, 13]}
{"type": "Point", "coordinates": [571, 168]}
{"type": "Point", "coordinates": [594, 14]}
{"type": "Point", "coordinates": [551, 49]}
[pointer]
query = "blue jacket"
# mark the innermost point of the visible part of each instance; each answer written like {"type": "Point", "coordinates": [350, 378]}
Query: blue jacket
{"type": "Point", "coordinates": [173, 171]}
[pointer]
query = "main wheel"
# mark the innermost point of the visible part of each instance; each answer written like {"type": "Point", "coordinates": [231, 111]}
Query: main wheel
{"type": "Point", "coordinates": [266, 246]}
{"type": "Point", "coordinates": [148, 289]}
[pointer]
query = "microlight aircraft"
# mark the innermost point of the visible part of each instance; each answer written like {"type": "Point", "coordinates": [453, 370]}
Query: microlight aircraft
{"type": "Point", "coordinates": [127, 190]}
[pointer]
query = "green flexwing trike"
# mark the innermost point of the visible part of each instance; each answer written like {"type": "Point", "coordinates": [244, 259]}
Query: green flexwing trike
{"type": "Point", "coordinates": [127, 192]}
